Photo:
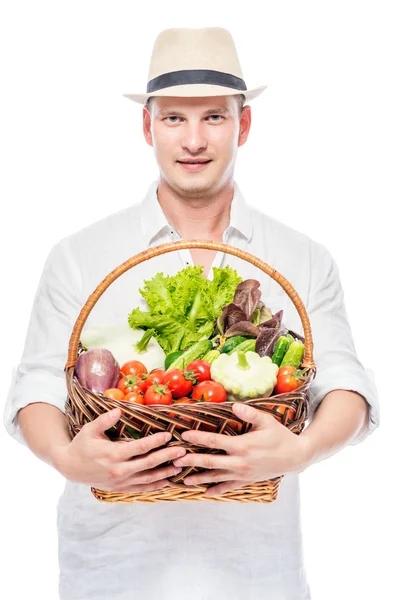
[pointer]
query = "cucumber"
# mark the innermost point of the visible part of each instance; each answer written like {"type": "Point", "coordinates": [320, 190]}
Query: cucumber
{"type": "Point", "coordinates": [280, 350]}
{"type": "Point", "coordinates": [294, 355]}
{"type": "Point", "coordinates": [290, 338]}
{"type": "Point", "coordinates": [169, 359]}
{"type": "Point", "coordinates": [246, 346]}
{"type": "Point", "coordinates": [195, 352]}
{"type": "Point", "coordinates": [211, 356]}
{"type": "Point", "coordinates": [232, 342]}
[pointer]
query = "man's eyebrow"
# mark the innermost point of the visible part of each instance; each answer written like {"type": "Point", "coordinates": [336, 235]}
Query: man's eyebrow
{"type": "Point", "coordinates": [211, 111]}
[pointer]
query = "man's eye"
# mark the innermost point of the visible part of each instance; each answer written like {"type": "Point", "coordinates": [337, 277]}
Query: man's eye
{"type": "Point", "coordinates": [215, 118]}
{"type": "Point", "coordinates": [172, 119]}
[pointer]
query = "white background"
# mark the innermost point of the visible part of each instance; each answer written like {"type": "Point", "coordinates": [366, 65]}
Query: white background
{"type": "Point", "coordinates": [322, 156]}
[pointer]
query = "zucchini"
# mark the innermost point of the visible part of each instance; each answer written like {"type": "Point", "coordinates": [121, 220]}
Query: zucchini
{"type": "Point", "coordinates": [280, 350]}
{"type": "Point", "coordinates": [246, 346]}
{"type": "Point", "coordinates": [211, 356]}
{"type": "Point", "coordinates": [232, 342]}
{"type": "Point", "coordinates": [195, 352]}
{"type": "Point", "coordinates": [294, 355]}
{"type": "Point", "coordinates": [169, 359]}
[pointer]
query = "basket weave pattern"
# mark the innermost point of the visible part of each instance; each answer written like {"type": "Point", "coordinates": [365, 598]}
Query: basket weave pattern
{"type": "Point", "coordinates": [83, 406]}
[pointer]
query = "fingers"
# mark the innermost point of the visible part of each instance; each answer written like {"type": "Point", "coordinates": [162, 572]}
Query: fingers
{"type": "Point", "coordinates": [213, 440]}
{"type": "Point", "coordinates": [211, 461]}
{"type": "Point", "coordinates": [150, 461]}
{"type": "Point", "coordinates": [145, 478]}
{"type": "Point", "coordinates": [138, 488]}
{"type": "Point", "coordinates": [217, 490]}
{"type": "Point", "coordinates": [126, 450]}
{"type": "Point", "coordinates": [219, 475]}
{"type": "Point", "coordinates": [103, 422]}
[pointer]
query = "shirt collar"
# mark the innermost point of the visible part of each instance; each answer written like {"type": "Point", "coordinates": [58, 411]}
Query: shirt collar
{"type": "Point", "coordinates": [153, 219]}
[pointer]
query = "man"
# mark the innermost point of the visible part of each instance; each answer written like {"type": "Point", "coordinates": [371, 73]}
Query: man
{"type": "Point", "coordinates": [195, 120]}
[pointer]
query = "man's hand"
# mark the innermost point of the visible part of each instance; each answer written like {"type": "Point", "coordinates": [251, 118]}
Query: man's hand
{"type": "Point", "coordinates": [92, 458]}
{"type": "Point", "coordinates": [268, 450]}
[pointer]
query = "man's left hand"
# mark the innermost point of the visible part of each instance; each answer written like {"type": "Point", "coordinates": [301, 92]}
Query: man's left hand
{"type": "Point", "coordinates": [268, 450]}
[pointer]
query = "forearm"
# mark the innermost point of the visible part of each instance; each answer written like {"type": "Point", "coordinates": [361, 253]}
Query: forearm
{"type": "Point", "coordinates": [45, 430]}
{"type": "Point", "coordinates": [341, 417]}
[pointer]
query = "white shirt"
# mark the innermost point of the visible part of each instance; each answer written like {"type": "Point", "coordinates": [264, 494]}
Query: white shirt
{"type": "Point", "coordinates": [170, 550]}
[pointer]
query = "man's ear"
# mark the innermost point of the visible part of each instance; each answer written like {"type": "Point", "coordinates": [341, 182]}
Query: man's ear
{"type": "Point", "coordinates": [245, 124]}
{"type": "Point", "coordinates": [147, 126]}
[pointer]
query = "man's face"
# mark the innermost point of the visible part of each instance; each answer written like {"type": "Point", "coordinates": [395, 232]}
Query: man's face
{"type": "Point", "coordinates": [195, 141]}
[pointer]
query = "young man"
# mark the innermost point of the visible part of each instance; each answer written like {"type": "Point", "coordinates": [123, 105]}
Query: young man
{"type": "Point", "coordinates": [195, 121]}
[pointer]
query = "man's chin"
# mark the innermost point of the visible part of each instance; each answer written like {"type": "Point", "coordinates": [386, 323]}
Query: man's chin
{"type": "Point", "coordinates": [193, 189]}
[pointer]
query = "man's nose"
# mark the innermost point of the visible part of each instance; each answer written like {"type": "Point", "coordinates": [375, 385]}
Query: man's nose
{"type": "Point", "coordinates": [194, 139]}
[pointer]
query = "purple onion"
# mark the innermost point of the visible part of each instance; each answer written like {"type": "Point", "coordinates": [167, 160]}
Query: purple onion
{"type": "Point", "coordinates": [97, 370]}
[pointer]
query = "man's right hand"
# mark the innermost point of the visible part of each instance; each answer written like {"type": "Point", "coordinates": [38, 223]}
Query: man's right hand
{"type": "Point", "coordinates": [92, 458]}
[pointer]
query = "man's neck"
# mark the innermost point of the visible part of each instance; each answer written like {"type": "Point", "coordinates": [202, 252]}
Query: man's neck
{"type": "Point", "coordinates": [197, 218]}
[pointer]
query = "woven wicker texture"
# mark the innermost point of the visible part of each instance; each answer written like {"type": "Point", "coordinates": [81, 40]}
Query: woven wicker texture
{"type": "Point", "coordinates": [83, 406]}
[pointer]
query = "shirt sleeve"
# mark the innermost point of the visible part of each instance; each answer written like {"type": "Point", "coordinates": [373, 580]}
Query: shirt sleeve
{"type": "Point", "coordinates": [338, 366]}
{"type": "Point", "coordinates": [40, 376]}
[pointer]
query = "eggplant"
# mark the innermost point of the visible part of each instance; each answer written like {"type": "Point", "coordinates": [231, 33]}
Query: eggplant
{"type": "Point", "coordinates": [97, 370]}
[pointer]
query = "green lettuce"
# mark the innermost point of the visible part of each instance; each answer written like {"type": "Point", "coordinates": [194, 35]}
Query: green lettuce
{"type": "Point", "coordinates": [183, 308]}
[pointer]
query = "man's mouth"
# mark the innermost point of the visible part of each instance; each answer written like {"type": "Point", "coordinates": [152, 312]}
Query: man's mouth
{"type": "Point", "coordinates": [194, 164]}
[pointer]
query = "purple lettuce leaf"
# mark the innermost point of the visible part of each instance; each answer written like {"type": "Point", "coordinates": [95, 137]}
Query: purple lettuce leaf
{"type": "Point", "coordinates": [230, 315]}
{"type": "Point", "coordinates": [267, 339]}
{"type": "Point", "coordinates": [245, 328]}
{"type": "Point", "coordinates": [274, 322]}
{"type": "Point", "coordinates": [247, 296]}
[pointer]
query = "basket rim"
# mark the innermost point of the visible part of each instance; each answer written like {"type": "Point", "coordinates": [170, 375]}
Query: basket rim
{"type": "Point", "coordinates": [308, 360]}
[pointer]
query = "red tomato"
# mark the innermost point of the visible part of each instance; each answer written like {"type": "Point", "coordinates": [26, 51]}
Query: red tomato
{"type": "Point", "coordinates": [157, 394]}
{"type": "Point", "coordinates": [134, 397]}
{"type": "Point", "coordinates": [182, 401]}
{"type": "Point", "coordinates": [209, 391]}
{"type": "Point", "coordinates": [153, 377]}
{"type": "Point", "coordinates": [179, 382]}
{"type": "Point", "coordinates": [114, 393]}
{"type": "Point", "coordinates": [131, 384]}
{"type": "Point", "coordinates": [133, 367]}
{"type": "Point", "coordinates": [288, 380]}
{"type": "Point", "coordinates": [202, 370]}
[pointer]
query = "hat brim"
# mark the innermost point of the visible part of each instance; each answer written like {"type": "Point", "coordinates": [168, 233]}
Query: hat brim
{"type": "Point", "coordinates": [197, 90]}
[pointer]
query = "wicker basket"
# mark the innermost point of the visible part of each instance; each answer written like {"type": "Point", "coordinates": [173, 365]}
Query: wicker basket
{"type": "Point", "coordinates": [83, 406]}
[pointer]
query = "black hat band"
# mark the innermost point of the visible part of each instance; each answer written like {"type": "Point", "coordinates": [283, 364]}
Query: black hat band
{"type": "Point", "coordinates": [192, 76]}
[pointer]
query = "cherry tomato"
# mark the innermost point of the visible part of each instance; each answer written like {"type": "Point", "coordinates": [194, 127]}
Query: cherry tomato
{"type": "Point", "coordinates": [202, 370]}
{"type": "Point", "coordinates": [235, 426]}
{"type": "Point", "coordinates": [281, 409]}
{"type": "Point", "coordinates": [133, 367]}
{"type": "Point", "coordinates": [288, 380]}
{"type": "Point", "coordinates": [134, 397]}
{"type": "Point", "coordinates": [232, 424]}
{"type": "Point", "coordinates": [131, 384]}
{"type": "Point", "coordinates": [179, 382]}
{"type": "Point", "coordinates": [209, 391]}
{"type": "Point", "coordinates": [157, 394]}
{"type": "Point", "coordinates": [155, 376]}
{"type": "Point", "coordinates": [183, 400]}
{"type": "Point", "coordinates": [114, 393]}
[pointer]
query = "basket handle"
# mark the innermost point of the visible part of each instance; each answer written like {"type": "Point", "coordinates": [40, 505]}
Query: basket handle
{"type": "Point", "coordinates": [308, 360]}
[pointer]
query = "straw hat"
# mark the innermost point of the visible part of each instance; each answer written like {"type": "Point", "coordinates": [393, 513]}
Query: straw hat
{"type": "Point", "coordinates": [195, 62]}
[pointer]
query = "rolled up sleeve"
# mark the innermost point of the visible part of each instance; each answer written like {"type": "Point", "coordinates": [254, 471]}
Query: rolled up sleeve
{"type": "Point", "coordinates": [39, 377]}
{"type": "Point", "coordinates": [338, 366]}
